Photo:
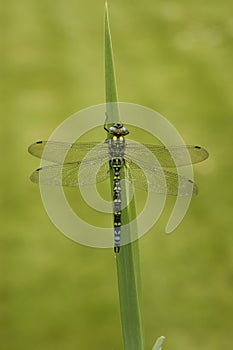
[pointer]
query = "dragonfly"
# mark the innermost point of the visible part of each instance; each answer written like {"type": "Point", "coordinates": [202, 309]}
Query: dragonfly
{"type": "Point", "coordinates": [115, 154]}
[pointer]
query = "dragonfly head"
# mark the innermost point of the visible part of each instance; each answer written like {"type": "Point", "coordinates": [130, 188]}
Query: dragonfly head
{"type": "Point", "coordinates": [118, 129]}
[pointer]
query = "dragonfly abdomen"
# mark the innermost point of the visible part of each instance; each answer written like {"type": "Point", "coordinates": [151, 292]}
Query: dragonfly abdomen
{"type": "Point", "coordinates": [116, 164]}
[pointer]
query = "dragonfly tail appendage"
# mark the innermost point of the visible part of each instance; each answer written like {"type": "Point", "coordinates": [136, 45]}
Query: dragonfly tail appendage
{"type": "Point", "coordinates": [117, 238]}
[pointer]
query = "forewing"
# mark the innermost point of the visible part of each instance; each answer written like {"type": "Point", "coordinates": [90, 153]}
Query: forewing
{"type": "Point", "coordinates": [168, 157]}
{"type": "Point", "coordinates": [63, 152]}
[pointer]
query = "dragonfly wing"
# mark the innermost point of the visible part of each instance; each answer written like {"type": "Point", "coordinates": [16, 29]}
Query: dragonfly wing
{"type": "Point", "coordinates": [168, 157]}
{"type": "Point", "coordinates": [64, 152]}
{"type": "Point", "coordinates": [161, 181]}
{"type": "Point", "coordinates": [70, 174]}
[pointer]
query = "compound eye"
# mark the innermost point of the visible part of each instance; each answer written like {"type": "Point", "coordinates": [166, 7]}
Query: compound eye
{"type": "Point", "coordinates": [112, 128]}
{"type": "Point", "coordinates": [123, 129]}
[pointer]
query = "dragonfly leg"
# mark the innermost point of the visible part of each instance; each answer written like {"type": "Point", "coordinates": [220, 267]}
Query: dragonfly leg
{"type": "Point", "coordinates": [105, 122]}
{"type": "Point", "coordinates": [124, 163]}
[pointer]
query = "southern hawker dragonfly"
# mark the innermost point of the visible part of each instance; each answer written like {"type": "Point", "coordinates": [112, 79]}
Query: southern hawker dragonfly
{"type": "Point", "coordinates": [114, 154]}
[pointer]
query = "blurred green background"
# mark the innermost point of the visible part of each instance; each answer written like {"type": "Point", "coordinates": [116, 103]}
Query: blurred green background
{"type": "Point", "coordinates": [174, 57]}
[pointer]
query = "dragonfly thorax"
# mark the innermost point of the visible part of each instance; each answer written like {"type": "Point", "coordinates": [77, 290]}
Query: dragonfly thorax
{"type": "Point", "coordinates": [118, 129]}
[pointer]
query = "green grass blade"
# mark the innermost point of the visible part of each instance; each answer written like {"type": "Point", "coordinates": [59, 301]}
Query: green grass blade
{"type": "Point", "coordinates": [111, 90]}
{"type": "Point", "coordinates": [127, 261]}
{"type": "Point", "coordinates": [110, 79]}
{"type": "Point", "coordinates": [159, 343]}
